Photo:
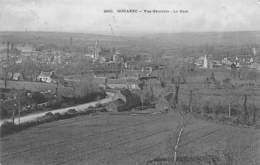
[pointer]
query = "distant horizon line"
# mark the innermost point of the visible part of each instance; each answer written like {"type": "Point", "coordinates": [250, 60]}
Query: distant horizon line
{"type": "Point", "coordinates": [124, 33]}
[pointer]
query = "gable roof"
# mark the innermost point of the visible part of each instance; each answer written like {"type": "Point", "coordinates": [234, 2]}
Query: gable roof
{"type": "Point", "coordinates": [16, 75]}
{"type": "Point", "coordinates": [46, 74]}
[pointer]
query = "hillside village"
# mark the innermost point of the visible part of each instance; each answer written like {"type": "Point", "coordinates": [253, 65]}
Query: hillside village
{"type": "Point", "coordinates": [25, 62]}
{"type": "Point", "coordinates": [41, 83]}
{"type": "Point", "coordinates": [129, 82]}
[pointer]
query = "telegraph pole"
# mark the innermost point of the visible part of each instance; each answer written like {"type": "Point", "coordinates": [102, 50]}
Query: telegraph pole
{"type": "Point", "coordinates": [18, 102]}
{"type": "Point", "coordinates": [7, 64]}
{"type": "Point", "coordinates": [57, 88]}
{"type": "Point", "coordinates": [19, 105]}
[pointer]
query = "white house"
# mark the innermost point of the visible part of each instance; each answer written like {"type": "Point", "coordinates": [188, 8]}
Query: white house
{"type": "Point", "coordinates": [205, 62]}
{"type": "Point", "coordinates": [46, 77]}
{"type": "Point", "coordinates": [17, 76]}
{"type": "Point", "coordinates": [202, 61]}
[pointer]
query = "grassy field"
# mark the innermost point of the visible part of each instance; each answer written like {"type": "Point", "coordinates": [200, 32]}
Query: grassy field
{"type": "Point", "coordinates": [36, 86]}
{"type": "Point", "coordinates": [122, 138]}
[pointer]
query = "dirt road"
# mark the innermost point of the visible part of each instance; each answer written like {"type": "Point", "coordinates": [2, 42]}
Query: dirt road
{"type": "Point", "coordinates": [120, 139]}
{"type": "Point", "coordinates": [110, 97]}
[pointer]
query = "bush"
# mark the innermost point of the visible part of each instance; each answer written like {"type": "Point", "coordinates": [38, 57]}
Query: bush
{"type": "Point", "coordinates": [103, 109]}
{"type": "Point", "coordinates": [98, 105]}
{"type": "Point", "coordinates": [207, 109]}
{"type": "Point", "coordinates": [196, 109]}
{"type": "Point", "coordinates": [38, 97]}
{"type": "Point", "coordinates": [209, 117]}
{"type": "Point", "coordinates": [49, 114]}
{"type": "Point", "coordinates": [6, 109]}
{"type": "Point", "coordinates": [235, 111]}
{"type": "Point", "coordinates": [220, 109]}
{"type": "Point", "coordinates": [236, 121]}
{"type": "Point", "coordinates": [132, 100]}
{"type": "Point", "coordinates": [55, 105]}
{"type": "Point", "coordinates": [222, 118]}
{"type": "Point", "coordinates": [3, 112]}
{"type": "Point", "coordinates": [7, 126]}
{"type": "Point", "coordinates": [185, 108]}
{"type": "Point", "coordinates": [57, 115]}
{"type": "Point", "coordinates": [72, 111]}
{"type": "Point", "coordinates": [64, 104]}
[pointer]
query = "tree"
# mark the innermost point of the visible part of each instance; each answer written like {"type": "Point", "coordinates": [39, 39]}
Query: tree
{"type": "Point", "coordinates": [231, 98]}
{"type": "Point", "coordinates": [19, 96]}
{"type": "Point", "coordinates": [147, 94]}
{"type": "Point", "coordinates": [246, 113]}
{"type": "Point", "coordinates": [176, 97]}
{"type": "Point", "coordinates": [190, 101]}
{"type": "Point", "coordinates": [29, 70]}
{"type": "Point", "coordinates": [176, 75]}
{"type": "Point", "coordinates": [176, 81]}
{"type": "Point", "coordinates": [38, 98]}
{"type": "Point", "coordinates": [254, 114]}
{"type": "Point", "coordinates": [212, 77]}
{"type": "Point", "coordinates": [84, 87]}
{"type": "Point", "coordinates": [162, 104]}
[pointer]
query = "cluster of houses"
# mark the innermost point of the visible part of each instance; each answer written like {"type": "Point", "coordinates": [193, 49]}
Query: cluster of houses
{"type": "Point", "coordinates": [98, 54]}
{"type": "Point", "coordinates": [208, 61]}
{"type": "Point", "coordinates": [108, 63]}
{"type": "Point", "coordinates": [20, 53]}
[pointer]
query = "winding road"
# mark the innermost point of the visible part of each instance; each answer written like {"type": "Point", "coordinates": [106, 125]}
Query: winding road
{"type": "Point", "coordinates": [111, 96]}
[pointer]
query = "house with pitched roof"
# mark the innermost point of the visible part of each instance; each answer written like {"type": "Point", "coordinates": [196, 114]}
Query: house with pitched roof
{"type": "Point", "coordinates": [47, 77]}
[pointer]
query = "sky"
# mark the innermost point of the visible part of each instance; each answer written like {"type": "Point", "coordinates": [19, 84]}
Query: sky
{"type": "Point", "coordinates": [87, 16]}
